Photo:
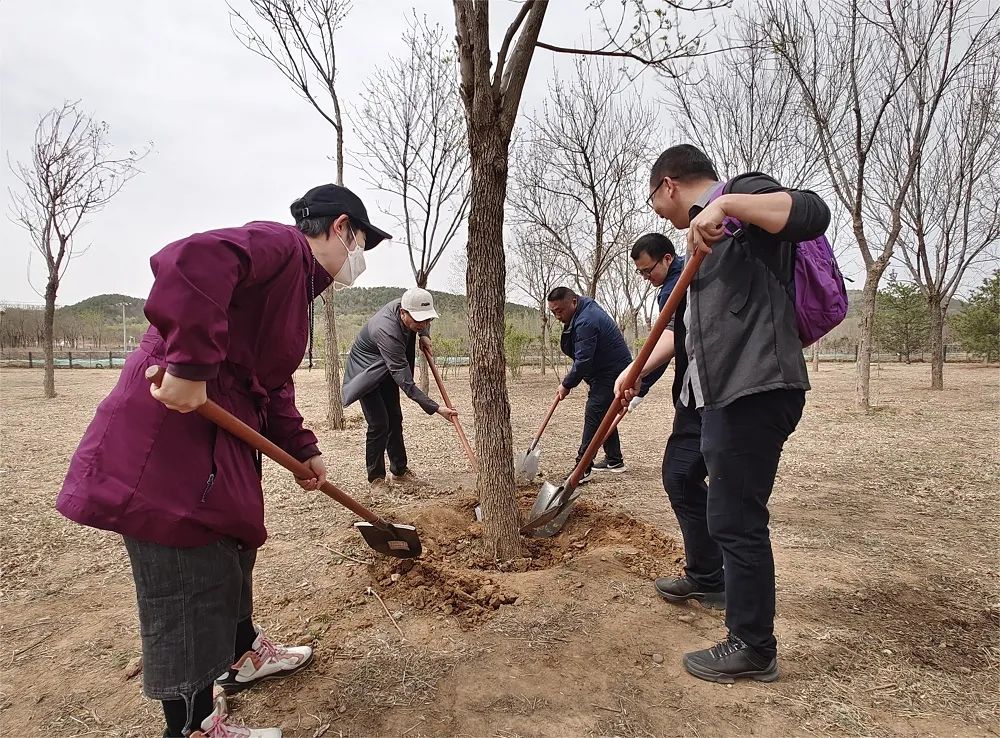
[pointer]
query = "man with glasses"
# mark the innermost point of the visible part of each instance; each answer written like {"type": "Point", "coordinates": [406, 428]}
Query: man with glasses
{"type": "Point", "coordinates": [656, 261]}
{"type": "Point", "coordinates": [379, 365]}
{"type": "Point", "coordinates": [740, 384]}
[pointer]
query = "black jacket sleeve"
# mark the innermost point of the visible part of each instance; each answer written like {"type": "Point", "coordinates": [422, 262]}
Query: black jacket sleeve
{"type": "Point", "coordinates": [809, 217]}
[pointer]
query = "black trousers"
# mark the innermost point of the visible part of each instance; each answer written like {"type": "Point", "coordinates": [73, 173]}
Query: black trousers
{"type": "Point", "coordinates": [385, 430]}
{"type": "Point", "coordinates": [724, 523]}
{"type": "Point", "coordinates": [599, 399]}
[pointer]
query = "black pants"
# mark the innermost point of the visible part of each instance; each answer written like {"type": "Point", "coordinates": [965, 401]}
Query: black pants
{"type": "Point", "coordinates": [599, 399]}
{"type": "Point", "coordinates": [385, 430]}
{"type": "Point", "coordinates": [724, 523]}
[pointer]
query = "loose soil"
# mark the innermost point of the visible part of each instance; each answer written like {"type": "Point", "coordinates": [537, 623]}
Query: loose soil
{"type": "Point", "coordinates": [885, 529]}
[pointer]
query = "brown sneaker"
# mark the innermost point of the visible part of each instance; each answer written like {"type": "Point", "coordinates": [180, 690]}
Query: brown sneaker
{"type": "Point", "coordinates": [380, 487]}
{"type": "Point", "coordinates": [407, 478]}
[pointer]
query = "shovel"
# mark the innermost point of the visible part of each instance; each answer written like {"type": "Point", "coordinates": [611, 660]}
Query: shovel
{"type": "Point", "coordinates": [559, 498]}
{"type": "Point", "coordinates": [390, 539]}
{"type": "Point", "coordinates": [526, 464]}
{"type": "Point", "coordinates": [447, 401]}
{"type": "Point", "coordinates": [549, 490]}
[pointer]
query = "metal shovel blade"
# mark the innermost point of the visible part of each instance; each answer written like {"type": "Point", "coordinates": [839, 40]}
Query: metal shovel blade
{"type": "Point", "coordinates": [556, 524]}
{"type": "Point", "coordinates": [400, 541]}
{"type": "Point", "coordinates": [526, 465]}
{"type": "Point", "coordinates": [545, 509]}
{"type": "Point", "coordinates": [551, 520]}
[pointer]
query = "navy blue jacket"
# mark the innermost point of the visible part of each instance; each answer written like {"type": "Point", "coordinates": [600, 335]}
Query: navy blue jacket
{"type": "Point", "coordinates": [596, 345]}
{"type": "Point", "coordinates": [676, 267]}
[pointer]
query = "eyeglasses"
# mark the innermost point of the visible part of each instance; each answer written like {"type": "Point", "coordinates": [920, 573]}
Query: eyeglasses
{"type": "Point", "coordinates": [649, 200]}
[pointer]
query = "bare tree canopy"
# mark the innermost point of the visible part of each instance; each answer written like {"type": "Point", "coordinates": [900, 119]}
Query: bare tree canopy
{"type": "Point", "coordinates": [871, 77]}
{"type": "Point", "coordinates": [73, 173]}
{"type": "Point", "coordinates": [746, 115]}
{"type": "Point", "coordinates": [952, 213]}
{"type": "Point", "coordinates": [536, 269]}
{"type": "Point", "coordinates": [635, 31]}
{"type": "Point", "coordinates": [575, 172]}
{"type": "Point", "coordinates": [412, 130]}
{"type": "Point", "coordinates": [296, 36]}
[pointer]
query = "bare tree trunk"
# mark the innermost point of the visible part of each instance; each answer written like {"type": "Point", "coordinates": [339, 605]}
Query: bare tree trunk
{"type": "Point", "coordinates": [49, 326]}
{"type": "Point", "coordinates": [937, 342]}
{"type": "Point", "coordinates": [423, 373]}
{"type": "Point", "coordinates": [545, 338]}
{"type": "Point", "coordinates": [867, 325]}
{"type": "Point", "coordinates": [485, 285]}
{"type": "Point", "coordinates": [335, 400]}
{"type": "Point", "coordinates": [815, 355]}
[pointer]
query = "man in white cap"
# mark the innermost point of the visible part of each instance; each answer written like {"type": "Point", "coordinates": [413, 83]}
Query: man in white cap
{"type": "Point", "coordinates": [379, 365]}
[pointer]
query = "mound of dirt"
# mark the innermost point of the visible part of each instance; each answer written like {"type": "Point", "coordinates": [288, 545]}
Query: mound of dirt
{"type": "Point", "coordinates": [456, 576]}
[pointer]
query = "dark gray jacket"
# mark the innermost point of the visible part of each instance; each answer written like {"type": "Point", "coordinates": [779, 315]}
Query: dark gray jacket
{"type": "Point", "coordinates": [742, 322]}
{"type": "Point", "coordinates": [384, 347]}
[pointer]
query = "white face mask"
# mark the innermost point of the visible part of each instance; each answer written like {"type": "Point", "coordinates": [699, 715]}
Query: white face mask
{"type": "Point", "coordinates": [353, 266]}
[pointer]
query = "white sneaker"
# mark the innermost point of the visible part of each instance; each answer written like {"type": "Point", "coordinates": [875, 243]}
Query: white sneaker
{"type": "Point", "coordinates": [217, 725]}
{"type": "Point", "coordinates": [265, 661]}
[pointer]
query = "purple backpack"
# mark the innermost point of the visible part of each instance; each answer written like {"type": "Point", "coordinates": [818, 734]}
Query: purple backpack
{"type": "Point", "coordinates": [820, 293]}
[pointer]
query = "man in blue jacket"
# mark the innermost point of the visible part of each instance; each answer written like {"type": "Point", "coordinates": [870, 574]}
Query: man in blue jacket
{"type": "Point", "coordinates": [657, 262]}
{"type": "Point", "coordinates": [596, 345]}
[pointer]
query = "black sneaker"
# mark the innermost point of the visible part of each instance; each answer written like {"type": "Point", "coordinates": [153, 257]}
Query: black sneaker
{"type": "Point", "coordinates": [587, 475]}
{"type": "Point", "coordinates": [729, 660]}
{"type": "Point", "coordinates": [680, 589]}
{"type": "Point", "coordinates": [604, 466]}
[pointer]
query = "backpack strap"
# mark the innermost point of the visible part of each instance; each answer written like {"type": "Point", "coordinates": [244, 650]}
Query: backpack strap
{"type": "Point", "coordinates": [738, 231]}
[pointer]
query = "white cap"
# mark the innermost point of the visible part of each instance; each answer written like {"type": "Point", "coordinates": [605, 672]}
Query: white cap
{"type": "Point", "coordinates": [419, 304]}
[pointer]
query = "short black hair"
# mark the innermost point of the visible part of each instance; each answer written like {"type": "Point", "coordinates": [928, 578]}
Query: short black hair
{"type": "Point", "coordinates": [683, 162]}
{"type": "Point", "coordinates": [319, 225]}
{"type": "Point", "coordinates": [655, 244]}
{"type": "Point", "coordinates": [561, 293]}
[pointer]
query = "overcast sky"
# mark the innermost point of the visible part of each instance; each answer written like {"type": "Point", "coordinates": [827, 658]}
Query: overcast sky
{"type": "Point", "coordinates": [232, 140]}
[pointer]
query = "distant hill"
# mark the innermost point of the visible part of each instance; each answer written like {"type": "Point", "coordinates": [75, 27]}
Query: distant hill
{"type": "Point", "coordinates": [366, 300]}
{"type": "Point", "coordinates": [108, 307]}
{"type": "Point", "coordinates": [354, 306]}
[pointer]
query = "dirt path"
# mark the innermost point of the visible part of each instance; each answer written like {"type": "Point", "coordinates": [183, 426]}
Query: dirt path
{"type": "Point", "coordinates": [885, 530]}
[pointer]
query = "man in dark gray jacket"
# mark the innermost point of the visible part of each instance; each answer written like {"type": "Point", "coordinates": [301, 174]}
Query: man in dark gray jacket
{"type": "Point", "coordinates": [379, 365]}
{"type": "Point", "coordinates": [739, 387]}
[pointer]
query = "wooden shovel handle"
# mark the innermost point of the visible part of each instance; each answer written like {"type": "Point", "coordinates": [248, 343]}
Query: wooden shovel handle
{"type": "Point", "coordinates": [447, 401]}
{"type": "Point", "coordinates": [541, 430]}
{"type": "Point", "coordinates": [236, 427]}
{"type": "Point", "coordinates": [669, 308]}
{"type": "Point", "coordinates": [614, 425]}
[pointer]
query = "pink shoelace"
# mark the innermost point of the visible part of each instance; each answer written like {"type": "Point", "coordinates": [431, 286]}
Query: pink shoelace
{"type": "Point", "coordinates": [268, 649]}
{"type": "Point", "coordinates": [220, 729]}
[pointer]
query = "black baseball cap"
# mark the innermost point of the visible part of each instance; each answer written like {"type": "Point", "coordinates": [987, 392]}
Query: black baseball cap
{"type": "Point", "coordinates": [334, 200]}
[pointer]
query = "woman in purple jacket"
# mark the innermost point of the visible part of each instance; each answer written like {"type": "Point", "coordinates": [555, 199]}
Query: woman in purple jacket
{"type": "Point", "coordinates": [230, 318]}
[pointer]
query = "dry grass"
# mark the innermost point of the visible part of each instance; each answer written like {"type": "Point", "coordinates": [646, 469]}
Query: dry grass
{"type": "Point", "coordinates": [885, 529]}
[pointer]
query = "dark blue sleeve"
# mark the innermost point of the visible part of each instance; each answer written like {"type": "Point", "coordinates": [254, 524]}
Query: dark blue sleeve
{"type": "Point", "coordinates": [583, 354]}
{"type": "Point", "coordinates": [650, 379]}
{"type": "Point", "coordinates": [661, 299]}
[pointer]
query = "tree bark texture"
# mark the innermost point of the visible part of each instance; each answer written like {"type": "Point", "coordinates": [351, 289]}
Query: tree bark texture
{"type": "Point", "coordinates": [937, 312]}
{"type": "Point", "coordinates": [866, 335]}
{"type": "Point", "coordinates": [335, 399]}
{"type": "Point", "coordinates": [485, 285]}
{"type": "Point", "coordinates": [50, 316]}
